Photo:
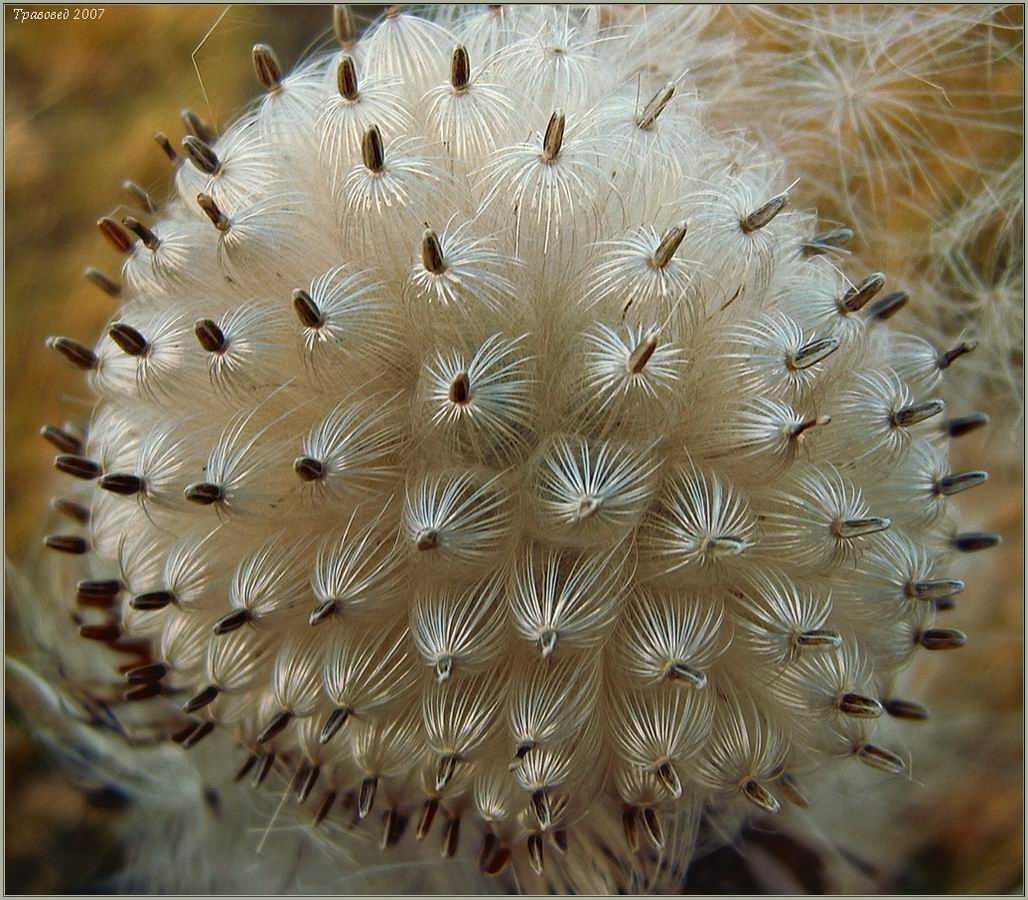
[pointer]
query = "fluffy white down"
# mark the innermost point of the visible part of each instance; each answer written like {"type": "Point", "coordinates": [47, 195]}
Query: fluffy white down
{"type": "Point", "coordinates": [478, 357]}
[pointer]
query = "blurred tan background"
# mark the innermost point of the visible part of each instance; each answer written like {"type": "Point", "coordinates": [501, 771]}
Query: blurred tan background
{"type": "Point", "coordinates": [83, 99]}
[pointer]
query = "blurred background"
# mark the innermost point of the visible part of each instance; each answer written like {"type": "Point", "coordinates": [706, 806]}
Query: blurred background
{"type": "Point", "coordinates": [83, 99]}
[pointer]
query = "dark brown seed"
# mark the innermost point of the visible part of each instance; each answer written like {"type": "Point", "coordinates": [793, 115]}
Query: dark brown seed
{"type": "Point", "coordinates": [198, 127]}
{"type": "Point", "coordinates": [651, 822]}
{"type": "Point", "coordinates": [372, 151]}
{"type": "Point", "coordinates": [946, 359]}
{"type": "Point", "coordinates": [244, 770]}
{"type": "Point", "coordinates": [149, 239]}
{"type": "Point", "coordinates": [267, 68]}
{"type": "Point", "coordinates": [973, 541]}
{"type": "Point", "coordinates": [146, 691]}
{"type": "Point", "coordinates": [536, 859]}
{"type": "Point", "coordinates": [541, 807]}
{"type": "Point", "coordinates": [152, 600]}
{"type": "Point", "coordinates": [962, 425]}
{"type": "Point", "coordinates": [106, 284]}
{"type": "Point", "coordinates": [460, 69]}
{"type": "Point", "coordinates": [882, 759]}
{"type": "Point", "coordinates": [211, 210]}
{"type": "Point", "coordinates": [63, 440]}
{"type": "Point", "coordinates": [792, 792]}
{"type": "Point", "coordinates": [942, 639]}
{"type": "Point", "coordinates": [854, 528]}
{"type": "Point", "coordinates": [588, 505]}
{"type": "Point", "coordinates": [548, 642]}
{"type": "Point", "coordinates": [523, 749]}
{"type": "Point", "coordinates": [107, 632]}
{"type": "Point", "coordinates": [335, 721]}
{"type": "Point", "coordinates": [324, 807]}
{"type": "Point", "coordinates": [432, 253]}
{"type": "Point", "coordinates": [451, 837]}
{"type": "Point", "coordinates": [762, 215]}
{"type": "Point", "coordinates": [760, 796]}
{"type": "Point", "coordinates": [307, 310]}
{"type": "Point", "coordinates": [307, 784]}
{"type": "Point", "coordinates": [166, 146]}
{"type": "Point", "coordinates": [428, 539]}
{"type": "Point", "coordinates": [231, 621]}
{"type": "Point", "coordinates": [460, 389]}
{"type": "Point", "coordinates": [943, 604]}
{"type": "Point", "coordinates": [811, 353]}
{"type": "Point", "coordinates": [961, 481]}
{"type": "Point", "coordinates": [668, 777]}
{"type": "Point", "coordinates": [139, 650]}
{"type": "Point", "coordinates": [77, 466]}
{"type": "Point", "coordinates": [128, 338]}
{"type": "Point", "coordinates": [201, 154]}
{"type": "Point", "coordinates": [445, 769]}
{"type": "Point", "coordinates": [348, 803]}
{"type": "Point", "coordinates": [77, 354]}
{"type": "Point", "coordinates": [886, 307]}
{"type": "Point", "coordinates": [122, 483]}
{"type": "Point", "coordinates": [346, 79]}
{"type": "Point", "coordinates": [641, 354]}
{"type": "Point", "coordinates": [489, 842]}
{"type": "Point", "coordinates": [366, 800]}
{"type": "Point", "coordinates": [828, 241]}
{"type": "Point", "coordinates": [200, 699]}
{"type": "Point", "coordinates": [179, 736]}
{"type": "Point", "coordinates": [66, 543]}
{"type": "Point", "coordinates": [393, 827]}
{"type": "Point", "coordinates": [857, 297]}
{"type": "Point", "coordinates": [934, 589]}
{"type": "Point", "coordinates": [72, 509]}
{"type": "Point", "coordinates": [906, 709]}
{"type": "Point", "coordinates": [560, 840]}
{"type": "Point", "coordinates": [819, 637]}
{"type": "Point", "coordinates": [147, 673]}
{"type": "Point", "coordinates": [499, 862]}
{"type": "Point", "coordinates": [299, 775]}
{"type": "Point", "coordinates": [267, 761]}
{"type": "Point", "coordinates": [858, 706]}
{"type": "Point", "coordinates": [197, 735]}
{"type": "Point", "coordinates": [210, 335]}
{"type": "Point", "coordinates": [204, 493]}
{"type": "Point", "coordinates": [114, 234]}
{"type": "Point", "coordinates": [428, 812]}
{"type": "Point", "coordinates": [89, 592]}
{"type": "Point", "coordinates": [629, 821]}
{"type": "Point", "coordinates": [308, 468]}
{"type": "Point", "coordinates": [668, 246]}
{"type": "Point", "coordinates": [278, 722]}
{"type": "Point", "coordinates": [683, 673]}
{"type": "Point", "coordinates": [399, 829]}
{"type": "Point", "coordinates": [553, 139]}
{"type": "Point", "coordinates": [656, 106]}
{"type": "Point", "coordinates": [917, 412]}
{"type": "Point", "coordinates": [322, 612]}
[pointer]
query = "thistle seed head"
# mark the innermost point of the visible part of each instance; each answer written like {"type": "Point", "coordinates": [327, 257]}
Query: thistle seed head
{"type": "Point", "coordinates": [491, 464]}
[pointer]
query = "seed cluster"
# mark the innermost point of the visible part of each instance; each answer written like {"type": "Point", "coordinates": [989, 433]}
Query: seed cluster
{"type": "Point", "coordinates": [480, 438]}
